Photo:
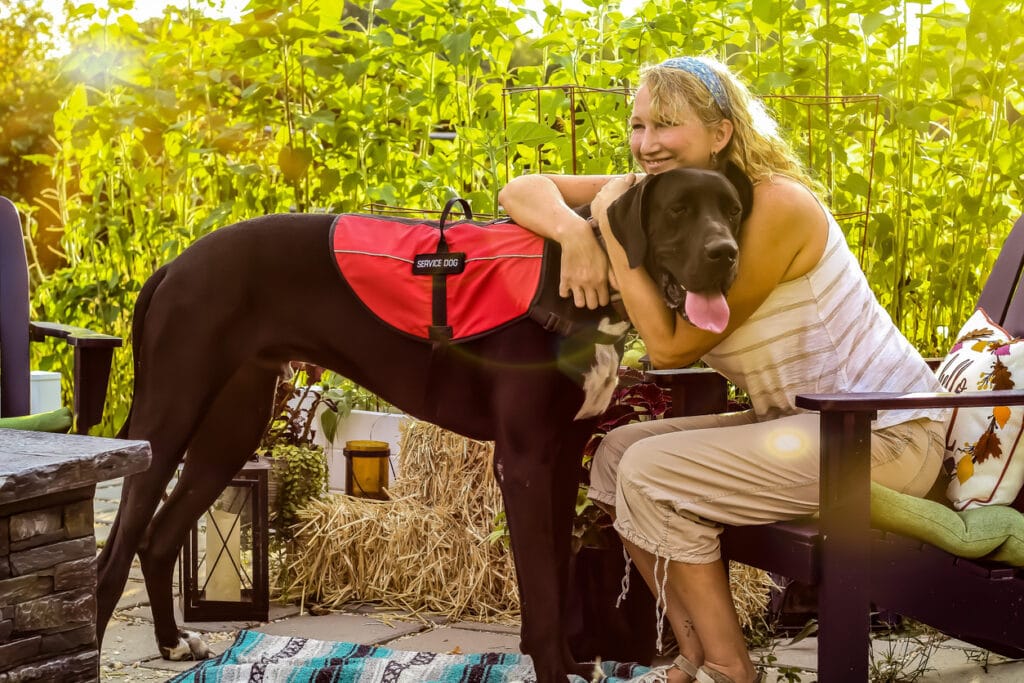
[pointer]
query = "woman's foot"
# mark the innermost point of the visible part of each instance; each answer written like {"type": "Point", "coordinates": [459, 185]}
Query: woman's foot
{"type": "Point", "coordinates": [707, 674]}
{"type": "Point", "coordinates": [681, 670]}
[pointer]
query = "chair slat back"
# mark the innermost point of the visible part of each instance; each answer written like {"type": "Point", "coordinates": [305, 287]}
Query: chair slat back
{"type": "Point", "coordinates": [14, 309]}
{"type": "Point", "coordinates": [1001, 297]}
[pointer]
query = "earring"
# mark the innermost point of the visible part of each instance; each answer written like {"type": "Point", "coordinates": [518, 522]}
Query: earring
{"type": "Point", "coordinates": [714, 158]}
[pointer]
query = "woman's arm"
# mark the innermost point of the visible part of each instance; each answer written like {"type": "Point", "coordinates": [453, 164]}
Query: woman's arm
{"type": "Point", "coordinates": [782, 239]}
{"type": "Point", "coordinates": [544, 204]}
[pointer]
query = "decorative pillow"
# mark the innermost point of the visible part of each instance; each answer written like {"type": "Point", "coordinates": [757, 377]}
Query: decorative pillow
{"type": "Point", "coordinates": [981, 443]}
{"type": "Point", "coordinates": [994, 532]}
{"type": "Point", "coordinates": [54, 421]}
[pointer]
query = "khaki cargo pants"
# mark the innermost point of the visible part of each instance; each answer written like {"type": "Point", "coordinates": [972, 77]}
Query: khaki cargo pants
{"type": "Point", "coordinates": [674, 482]}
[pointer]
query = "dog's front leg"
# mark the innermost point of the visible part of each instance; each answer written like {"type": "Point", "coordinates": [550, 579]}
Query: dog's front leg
{"type": "Point", "coordinates": [538, 472]}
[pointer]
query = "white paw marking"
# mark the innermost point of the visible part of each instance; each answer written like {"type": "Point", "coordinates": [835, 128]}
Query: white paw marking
{"type": "Point", "coordinates": [602, 378]}
{"type": "Point", "coordinates": [190, 647]}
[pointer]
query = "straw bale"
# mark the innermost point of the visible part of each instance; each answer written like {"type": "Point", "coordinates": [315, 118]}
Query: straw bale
{"type": "Point", "coordinates": [402, 554]}
{"type": "Point", "coordinates": [426, 549]}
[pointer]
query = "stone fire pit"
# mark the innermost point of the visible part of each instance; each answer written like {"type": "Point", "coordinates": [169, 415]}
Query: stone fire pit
{"type": "Point", "coordinates": [48, 550]}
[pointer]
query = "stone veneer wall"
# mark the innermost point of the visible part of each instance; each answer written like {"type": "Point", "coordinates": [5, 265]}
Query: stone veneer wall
{"type": "Point", "coordinates": [48, 589]}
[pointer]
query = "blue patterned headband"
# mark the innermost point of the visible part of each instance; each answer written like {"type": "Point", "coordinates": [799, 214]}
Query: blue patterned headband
{"type": "Point", "coordinates": [708, 77]}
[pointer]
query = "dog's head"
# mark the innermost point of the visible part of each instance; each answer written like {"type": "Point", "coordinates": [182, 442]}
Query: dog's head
{"type": "Point", "coordinates": [683, 225]}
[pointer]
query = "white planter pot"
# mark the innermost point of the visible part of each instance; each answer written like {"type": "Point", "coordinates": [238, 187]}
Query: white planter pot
{"type": "Point", "coordinates": [361, 425]}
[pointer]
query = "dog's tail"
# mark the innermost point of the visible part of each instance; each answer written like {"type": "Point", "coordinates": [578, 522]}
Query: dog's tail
{"type": "Point", "coordinates": [138, 322]}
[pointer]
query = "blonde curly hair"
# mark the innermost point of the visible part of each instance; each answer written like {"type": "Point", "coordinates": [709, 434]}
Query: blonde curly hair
{"type": "Point", "coordinates": [756, 146]}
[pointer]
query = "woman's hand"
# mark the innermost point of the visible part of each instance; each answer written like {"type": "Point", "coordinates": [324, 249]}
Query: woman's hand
{"type": "Point", "coordinates": [611, 191]}
{"type": "Point", "coordinates": [584, 273]}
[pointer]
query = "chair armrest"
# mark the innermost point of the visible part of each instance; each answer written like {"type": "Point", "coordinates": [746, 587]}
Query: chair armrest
{"type": "Point", "coordinates": [870, 402]}
{"type": "Point", "coordinates": [75, 336]}
{"type": "Point", "coordinates": [94, 354]}
{"type": "Point", "coordinates": [695, 391]}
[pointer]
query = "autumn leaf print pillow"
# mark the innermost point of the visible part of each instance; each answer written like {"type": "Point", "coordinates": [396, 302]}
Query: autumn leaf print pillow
{"type": "Point", "coordinates": [981, 443]}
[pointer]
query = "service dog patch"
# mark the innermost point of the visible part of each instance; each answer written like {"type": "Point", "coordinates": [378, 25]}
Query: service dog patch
{"type": "Point", "coordinates": [492, 270]}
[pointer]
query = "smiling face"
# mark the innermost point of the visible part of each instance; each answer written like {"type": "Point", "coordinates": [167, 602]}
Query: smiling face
{"type": "Point", "coordinates": [663, 140]}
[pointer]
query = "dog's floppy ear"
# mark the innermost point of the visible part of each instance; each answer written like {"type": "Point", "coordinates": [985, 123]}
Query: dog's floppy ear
{"type": "Point", "coordinates": [627, 216]}
{"type": "Point", "coordinates": [743, 186]}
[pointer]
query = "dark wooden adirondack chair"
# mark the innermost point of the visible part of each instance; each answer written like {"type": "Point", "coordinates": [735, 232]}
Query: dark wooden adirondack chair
{"type": "Point", "coordinates": [92, 352]}
{"type": "Point", "coordinates": [854, 566]}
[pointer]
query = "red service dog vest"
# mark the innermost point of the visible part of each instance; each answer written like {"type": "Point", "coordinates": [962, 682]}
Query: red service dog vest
{"type": "Point", "coordinates": [498, 283]}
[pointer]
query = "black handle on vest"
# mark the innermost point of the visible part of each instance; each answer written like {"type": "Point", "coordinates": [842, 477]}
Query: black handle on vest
{"type": "Point", "coordinates": [442, 244]}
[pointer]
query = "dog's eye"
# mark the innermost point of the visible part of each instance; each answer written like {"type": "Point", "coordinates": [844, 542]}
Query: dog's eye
{"type": "Point", "coordinates": [680, 210]}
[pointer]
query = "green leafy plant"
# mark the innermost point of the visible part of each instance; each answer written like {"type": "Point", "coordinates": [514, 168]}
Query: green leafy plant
{"type": "Point", "coordinates": [300, 473]}
{"type": "Point", "coordinates": [298, 465]}
{"type": "Point", "coordinates": [166, 129]}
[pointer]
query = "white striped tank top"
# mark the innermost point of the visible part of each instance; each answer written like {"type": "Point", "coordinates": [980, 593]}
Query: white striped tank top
{"type": "Point", "coordinates": [823, 333]}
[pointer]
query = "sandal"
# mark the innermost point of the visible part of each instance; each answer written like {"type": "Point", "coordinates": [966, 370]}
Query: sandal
{"type": "Point", "coordinates": [708, 675]}
{"type": "Point", "coordinates": [660, 674]}
{"type": "Point", "coordinates": [701, 674]}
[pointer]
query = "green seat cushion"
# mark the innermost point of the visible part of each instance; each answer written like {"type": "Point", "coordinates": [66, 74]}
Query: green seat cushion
{"type": "Point", "coordinates": [54, 421]}
{"type": "Point", "coordinates": [994, 532]}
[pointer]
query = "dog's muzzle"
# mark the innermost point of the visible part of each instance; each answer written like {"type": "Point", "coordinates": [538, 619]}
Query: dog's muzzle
{"type": "Point", "coordinates": [673, 293]}
{"type": "Point", "coordinates": [706, 310]}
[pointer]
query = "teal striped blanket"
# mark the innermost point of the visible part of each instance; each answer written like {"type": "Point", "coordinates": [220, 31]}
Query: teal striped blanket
{"type": "Point", "coordinates": [258, 657]}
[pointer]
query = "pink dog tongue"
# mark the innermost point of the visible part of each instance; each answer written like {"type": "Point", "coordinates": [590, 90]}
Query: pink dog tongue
{"type": "Point", "coordinates": [707, 311]}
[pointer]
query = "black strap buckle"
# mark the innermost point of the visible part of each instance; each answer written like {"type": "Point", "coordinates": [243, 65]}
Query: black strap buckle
{"type": "Point", "coordinates": [440, 265]}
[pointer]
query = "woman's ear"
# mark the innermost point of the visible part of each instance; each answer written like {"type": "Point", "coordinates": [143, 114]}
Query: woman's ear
{"type": "Point", "coordinates": [723, 134]}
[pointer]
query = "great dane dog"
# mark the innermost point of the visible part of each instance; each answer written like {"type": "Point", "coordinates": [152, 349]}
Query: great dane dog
{"type": "Point", "coordinates": [213, 329]}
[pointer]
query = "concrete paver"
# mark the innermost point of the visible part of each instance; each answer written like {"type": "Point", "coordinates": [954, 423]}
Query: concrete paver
{"type": "Point", "coordinates": [450, 640]}
{"type": "Point", "coordinates": [129, 640]}
{"type": "Point", "coordinates": [347, 628]}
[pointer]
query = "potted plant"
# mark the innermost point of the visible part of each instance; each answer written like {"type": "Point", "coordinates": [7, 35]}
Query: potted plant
{"type": "Point", "coordinates": [298, 472]}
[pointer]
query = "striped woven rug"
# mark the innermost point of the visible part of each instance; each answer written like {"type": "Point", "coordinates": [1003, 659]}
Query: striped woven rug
{"type": "Point", "coordinates": [258, 657]}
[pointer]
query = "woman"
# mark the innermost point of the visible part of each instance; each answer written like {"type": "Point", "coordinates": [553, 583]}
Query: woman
{"type": "Point", "coordinates": [802, 320]}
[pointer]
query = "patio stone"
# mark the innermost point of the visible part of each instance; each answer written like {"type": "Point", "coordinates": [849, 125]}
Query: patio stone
{"type": "Point", "coordinates": [127, 641]}
{"type": "Point", "coordinates": [134, 594]}
{"type": "Point", "coordinates": [349, 628]}
{"type": "Point", "coordinates": [450, 640]}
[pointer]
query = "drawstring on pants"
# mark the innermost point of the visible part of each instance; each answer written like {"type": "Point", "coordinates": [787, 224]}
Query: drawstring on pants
{"type": "Point", "coordinates": [625, 578]}
{"type": "Point", "coordinates": [661, 604]}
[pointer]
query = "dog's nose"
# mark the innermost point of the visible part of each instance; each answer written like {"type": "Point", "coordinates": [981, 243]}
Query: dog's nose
{"type": "Point", "coordinates": [721, 250]}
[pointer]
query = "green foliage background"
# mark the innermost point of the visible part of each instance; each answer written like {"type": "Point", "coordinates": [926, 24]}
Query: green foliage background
{"type": "Point", "coordinates": [165, 130]}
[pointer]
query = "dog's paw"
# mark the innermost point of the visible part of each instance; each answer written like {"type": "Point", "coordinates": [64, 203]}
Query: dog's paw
{"type": "Point", "coordinates": [190, 647]}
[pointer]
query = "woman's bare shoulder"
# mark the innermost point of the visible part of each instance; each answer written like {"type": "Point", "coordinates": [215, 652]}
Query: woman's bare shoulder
{"type": "Point", "coordinates": [789, 215]}
{"type": "Point", "coordinates": [784, 193]}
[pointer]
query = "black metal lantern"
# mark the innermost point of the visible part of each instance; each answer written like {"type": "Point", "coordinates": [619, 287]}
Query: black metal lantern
{"type": "Point", "coordinates": [366, 469]}
{"type": "Point", "coordinates": [224, 574]}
